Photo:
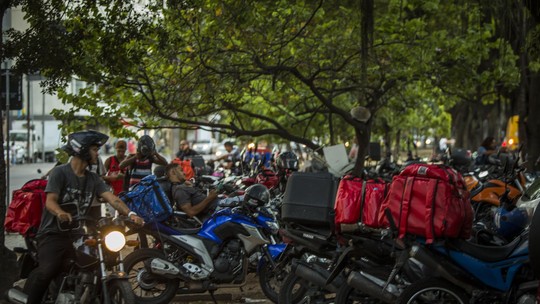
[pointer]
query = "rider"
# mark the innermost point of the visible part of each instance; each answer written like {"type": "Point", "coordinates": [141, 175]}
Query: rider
{"type": "Point", "coordinates": [70, 191]}
{"type": "Point", "coordinates": [191, 200]}
{"type": "Point", "coordinates": [231, 157]}
{"type": "Point", "coordinates": [187, 198]}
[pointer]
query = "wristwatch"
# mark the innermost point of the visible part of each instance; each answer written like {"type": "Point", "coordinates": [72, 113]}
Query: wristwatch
{"type": "Point", "coordinates": [131, 213]}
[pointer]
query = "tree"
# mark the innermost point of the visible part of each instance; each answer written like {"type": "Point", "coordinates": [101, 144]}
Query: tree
{"type": "Point", "coordinates": [219, 58]}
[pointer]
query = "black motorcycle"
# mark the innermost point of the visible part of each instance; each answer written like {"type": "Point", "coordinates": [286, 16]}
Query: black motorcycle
{"type": "Point", "coordinates": [96, 275]}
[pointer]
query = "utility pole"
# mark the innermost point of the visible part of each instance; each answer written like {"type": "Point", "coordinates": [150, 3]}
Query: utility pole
{"type": "Point", "coordinates": [8, 128]}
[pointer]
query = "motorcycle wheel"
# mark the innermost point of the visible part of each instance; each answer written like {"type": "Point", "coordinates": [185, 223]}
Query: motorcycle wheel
{"type": "Point", "coordinates": [148, 288]}
{"type": "Point", "coordinates": [348, 295]}
{"type": "Point", "coordinates": [120, 292]}
{"type": "Point", "coordinates": [432, 291]}
{"type": "Point", "coordinates": [296, 290]}
{"type": "Point", "coordinates": [271, 280]}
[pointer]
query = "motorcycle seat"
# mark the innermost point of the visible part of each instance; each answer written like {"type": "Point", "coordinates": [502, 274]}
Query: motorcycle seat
{"type": "Point", "coordinates": [483, 252]}
{"type": "Point", "coordinates": [477, 190]}
{"type": "Point", "coordinates": [187, 231]}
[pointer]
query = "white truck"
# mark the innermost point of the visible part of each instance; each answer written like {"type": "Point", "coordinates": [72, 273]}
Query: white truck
{"type": "Point", "coordinates": [45, 138]}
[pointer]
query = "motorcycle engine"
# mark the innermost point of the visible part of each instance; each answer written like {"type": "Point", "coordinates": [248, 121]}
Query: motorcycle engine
{"type": "Point", "coordinates": [228, 264]}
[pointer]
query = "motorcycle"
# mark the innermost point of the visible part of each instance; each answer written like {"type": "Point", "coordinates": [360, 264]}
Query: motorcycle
{"type": "Point", "coordinates": [216, 255]}
{"type": "Point", "coordinates": [97, 272]}
{"type": "Point", "coordinates": [466, 272]}
{"type": "Point", "coordinates": [308, 255]}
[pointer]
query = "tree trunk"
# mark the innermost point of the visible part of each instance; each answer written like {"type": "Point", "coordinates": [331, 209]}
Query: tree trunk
{"type": "Point", "coordinates": [532, 123]}
{"type": "Point", "coordinates": [363, 135]}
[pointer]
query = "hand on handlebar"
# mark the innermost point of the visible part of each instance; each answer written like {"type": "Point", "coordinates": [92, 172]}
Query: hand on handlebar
{"type": "Point", "coordinates": [64, 217]}
{"type": "Point", "coordinates": [136, 219]}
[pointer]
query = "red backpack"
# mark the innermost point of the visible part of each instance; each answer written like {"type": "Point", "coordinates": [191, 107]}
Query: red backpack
{"type": "Point", "coordinates": [24, 211]}
{"type": "Point", "coordinates": [430, 201]}
{"type": "Point", "coordinates": [186, 167]}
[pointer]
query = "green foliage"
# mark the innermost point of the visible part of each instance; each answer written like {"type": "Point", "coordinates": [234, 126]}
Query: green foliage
{"type": "Point", "coordinates": [280, 69]}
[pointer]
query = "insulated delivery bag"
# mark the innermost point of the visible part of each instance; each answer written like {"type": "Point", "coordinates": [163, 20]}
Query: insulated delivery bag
{"type": "Point", "coordinates": [430, 201]}
{"type": "Point", "coordinates": [148, 200]}
{"type": "Point", "coordinates": [309, 199]}
{"type": "Point", "coordinates": [26, 207]}
{"type": "Point", "coordinates": [359, 200]}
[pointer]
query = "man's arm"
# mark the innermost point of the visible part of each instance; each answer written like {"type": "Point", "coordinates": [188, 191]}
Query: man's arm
{"type": "Point", "coordinates": [160, 160]}
{"type": "Point", "coordinates": [119, 205]}
{"type": "Point", "coordinates": [128, 161]}
{"type": "Point", "coordinates": [193, 210]}
{"type": "Point", "coordinates": [53, 207]}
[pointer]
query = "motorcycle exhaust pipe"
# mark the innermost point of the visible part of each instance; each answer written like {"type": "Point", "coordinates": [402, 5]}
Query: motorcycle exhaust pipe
{"type": "Point", "coordinates": [316, 275]}
{"type": "Point", "coordinates": [361, 282]}
{"type": "Point", "coordinates": [427, 258]}
{"type": "Point", "coordinates": [163, 268]}
{"type": "Point", "coordinates": [17, 296]}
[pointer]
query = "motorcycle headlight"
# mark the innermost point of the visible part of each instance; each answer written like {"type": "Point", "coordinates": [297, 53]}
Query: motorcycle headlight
{"type": "Point", "coordinates": [115, 241]}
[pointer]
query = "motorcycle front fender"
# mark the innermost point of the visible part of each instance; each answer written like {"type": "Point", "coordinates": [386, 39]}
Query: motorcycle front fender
{"type": "Point", "coordinates": [117, 275]}
{"type": "Point", "coordinates": [276, 251]}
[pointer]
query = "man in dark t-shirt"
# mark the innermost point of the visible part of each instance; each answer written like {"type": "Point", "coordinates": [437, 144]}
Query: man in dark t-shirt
{"type": "Point", "coordinates": [187, 198]}
{"type": "Point", "coordinates": [185, 150]}
{"type": "Point", "coordinates": [70, 191]}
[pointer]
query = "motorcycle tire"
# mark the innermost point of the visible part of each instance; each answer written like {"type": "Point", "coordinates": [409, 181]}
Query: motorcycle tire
{"type": "Point", "coordinates": [146, 287]}
{"type": "Point", "coordinates": [534, 243]}
{"type": "Point", "coordinates": [432, 290]}
{"type": "Point", "coordinates": [120, 292]}
{"type": "Point", "coordinates": [348, 294]}
{"type": "Point", "coordinates": [297, 290]}
{"type": "Point", "coordinates": [271, 280]}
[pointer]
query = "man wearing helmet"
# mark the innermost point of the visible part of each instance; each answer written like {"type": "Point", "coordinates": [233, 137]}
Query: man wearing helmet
{"type": "Point", "coordinates": [70, 191]}
{"type": "Point", "coordinates": [141, 162]}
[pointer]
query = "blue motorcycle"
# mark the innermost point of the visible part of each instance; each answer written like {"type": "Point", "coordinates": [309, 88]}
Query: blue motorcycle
{"type": "Point", "coordinates": [466, 272]}
{"type": "Point", "coordinates": [216, 255]}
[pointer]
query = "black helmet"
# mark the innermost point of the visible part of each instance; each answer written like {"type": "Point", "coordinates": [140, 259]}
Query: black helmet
{"type": "Point", "coordinates": [287, 160]}
{"type": "Point", "coordinates": [146, 146]}
{"type": "Point", "coordinates": [256, 195]}
{"type": "Point", "coordinates": [79, 143]}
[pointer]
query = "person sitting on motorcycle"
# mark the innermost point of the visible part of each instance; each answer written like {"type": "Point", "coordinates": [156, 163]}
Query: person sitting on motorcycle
{"type": "Point", "coordinates": [487, 148]}
{"type": "Point", "coordinates": [191, 200]}
{"type": "Point", "coordinates": [70, 191]}
{"type": "Point", "coordinates": [187, 198]}
{"type": "Point", "coordinates": [231, 157]}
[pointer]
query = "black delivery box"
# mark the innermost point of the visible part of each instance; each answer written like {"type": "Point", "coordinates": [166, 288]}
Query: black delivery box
{"type": "Point", "coordinates": [309, 199]}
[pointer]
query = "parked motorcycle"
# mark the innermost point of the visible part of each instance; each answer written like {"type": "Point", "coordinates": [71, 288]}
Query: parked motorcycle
{"type": "Point", "coordinates": [465, 272]}
{"type": "Point", "coordinates": [308, 255]}
{"type": "Point", "coordinates": [97, 273]}
{"type": "Point", "coordinates": [216, 255]}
